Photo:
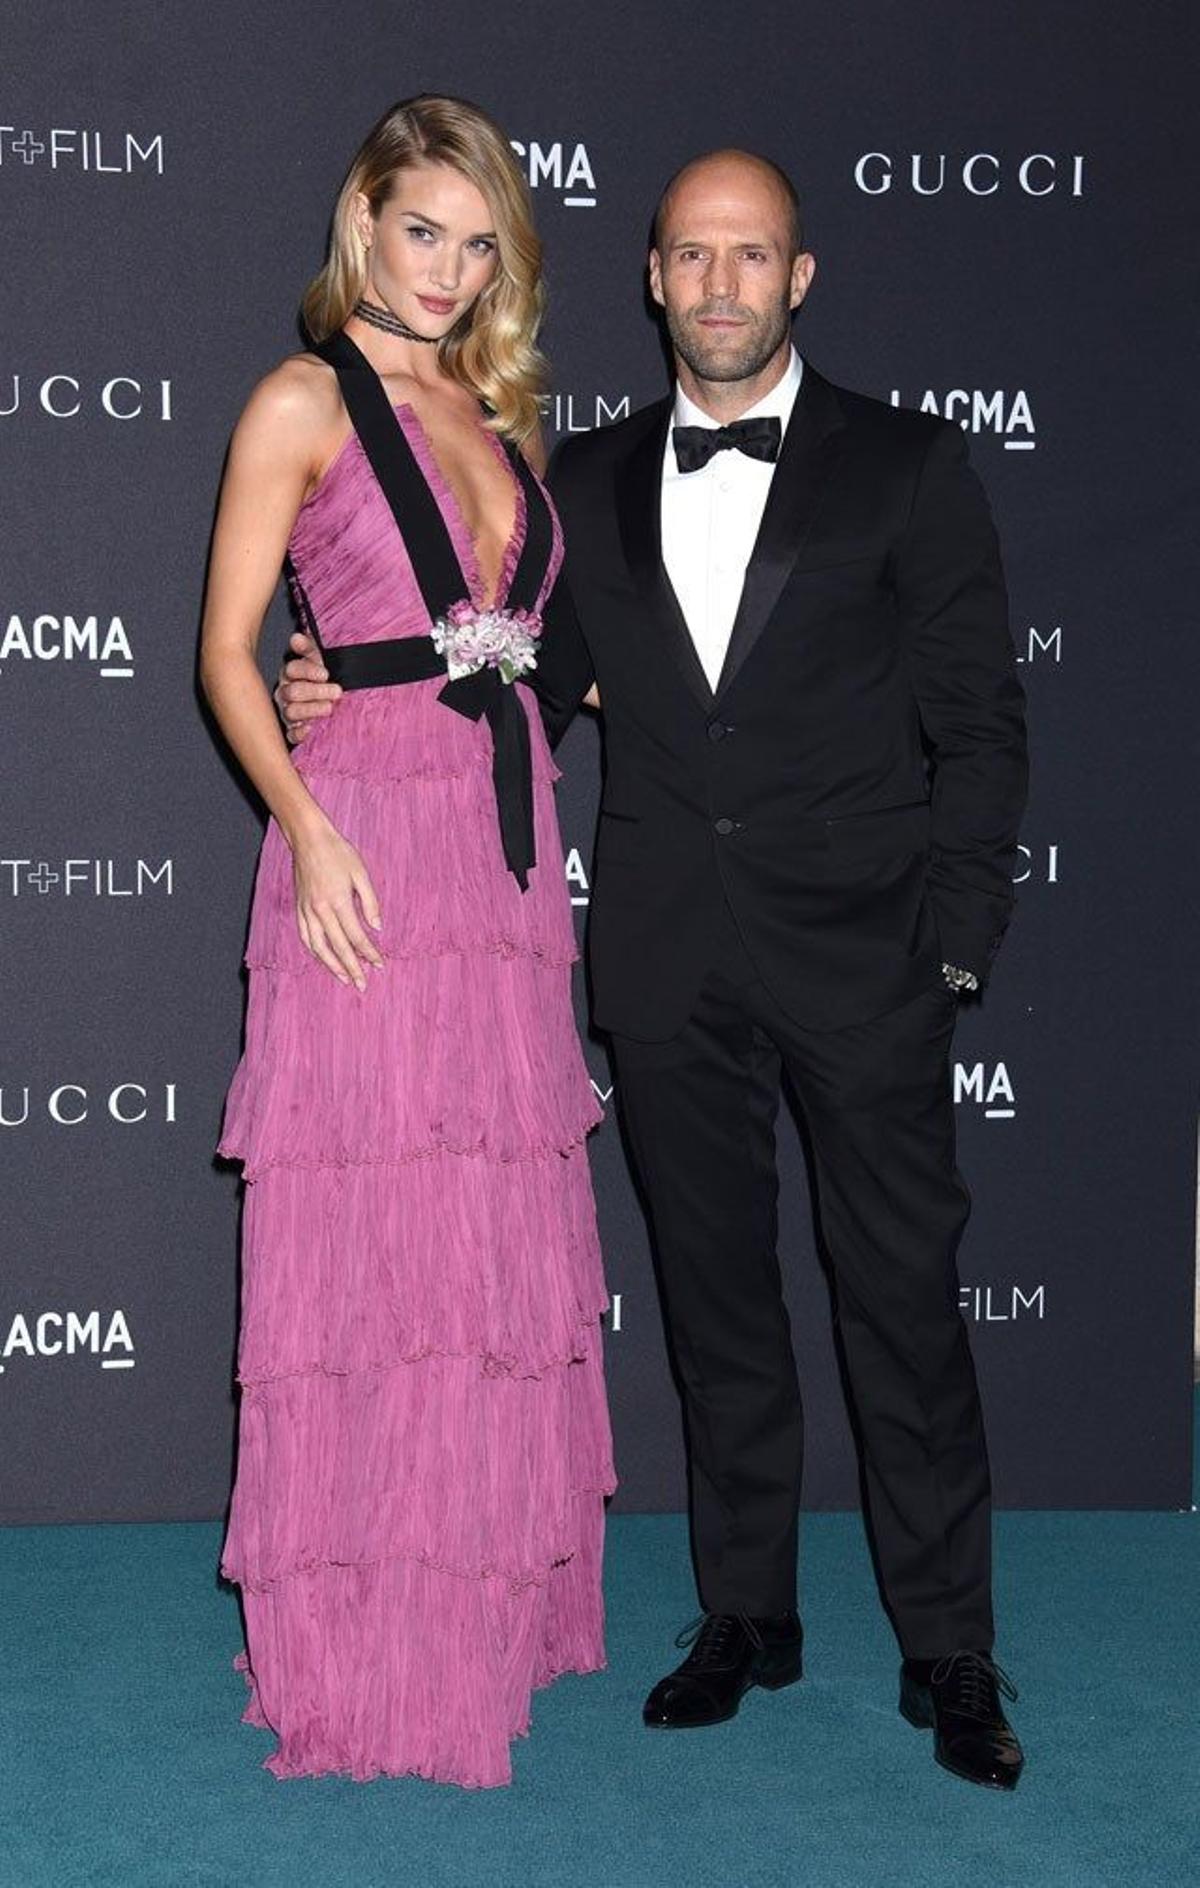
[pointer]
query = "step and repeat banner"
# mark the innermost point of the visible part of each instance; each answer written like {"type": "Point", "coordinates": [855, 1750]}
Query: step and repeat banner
{"type": "Point", "coordinates": [998, 199]}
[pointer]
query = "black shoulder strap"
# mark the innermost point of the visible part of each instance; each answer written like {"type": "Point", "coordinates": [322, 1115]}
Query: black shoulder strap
{"type": "Point", "coordinates": [536, 552]}
{"type": "Point", "coordinates": [438, 572]}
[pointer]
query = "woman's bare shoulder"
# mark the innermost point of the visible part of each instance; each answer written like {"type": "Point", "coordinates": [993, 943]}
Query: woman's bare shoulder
{"type": "Point", "coordinates": [297, 398]}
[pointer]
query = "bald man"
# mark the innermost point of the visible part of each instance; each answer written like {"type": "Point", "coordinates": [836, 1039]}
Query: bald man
{"type": "Point", "coordinates": [791, 599]}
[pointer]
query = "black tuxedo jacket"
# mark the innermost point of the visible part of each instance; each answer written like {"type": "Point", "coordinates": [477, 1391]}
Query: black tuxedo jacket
{"type": "Point", "coordinates": [852, 791]}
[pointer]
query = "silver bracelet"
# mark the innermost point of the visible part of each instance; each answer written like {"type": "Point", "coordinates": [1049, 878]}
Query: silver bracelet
{"type": "Point", "coordinates": [960, 980]}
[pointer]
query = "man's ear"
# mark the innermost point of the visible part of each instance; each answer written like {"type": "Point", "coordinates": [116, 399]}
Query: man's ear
{"type": "Point", "coordinates": [656, 287]}
{"type": "Point", "coordinates": [804, 267]}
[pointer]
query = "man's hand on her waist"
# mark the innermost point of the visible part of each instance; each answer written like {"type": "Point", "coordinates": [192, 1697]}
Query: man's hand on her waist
{"type": "Point", "coordinates": [303, 692]}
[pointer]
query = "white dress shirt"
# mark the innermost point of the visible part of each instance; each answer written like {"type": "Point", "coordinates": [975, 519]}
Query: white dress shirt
{"type": "Point", "coordinates": [710, 520]}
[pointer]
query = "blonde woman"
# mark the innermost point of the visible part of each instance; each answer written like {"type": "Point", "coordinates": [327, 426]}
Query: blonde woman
{"type": "Point", "coordinates": [417, 1516]}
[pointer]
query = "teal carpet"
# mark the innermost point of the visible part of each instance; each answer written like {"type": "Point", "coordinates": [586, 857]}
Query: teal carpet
{"type": "Point", "coordinates": [122, 1760]}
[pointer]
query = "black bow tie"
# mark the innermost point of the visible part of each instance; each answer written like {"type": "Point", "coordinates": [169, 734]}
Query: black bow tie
{"type": "Point", "coordinates": [695, 445]}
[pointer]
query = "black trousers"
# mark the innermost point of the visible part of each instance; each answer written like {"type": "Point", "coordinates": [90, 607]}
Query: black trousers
{"type": "Point", "coordinates": [700, 1113]}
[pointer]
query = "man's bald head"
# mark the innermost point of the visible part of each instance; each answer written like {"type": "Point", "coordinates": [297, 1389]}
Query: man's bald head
{"type": "Point", "coordinates": [733, 171]}
{"type": "Point", "coordinates": [728, 270]}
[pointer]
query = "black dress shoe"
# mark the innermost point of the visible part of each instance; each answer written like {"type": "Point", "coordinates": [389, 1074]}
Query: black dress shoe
{"type": "Point", "coordinates": [729, 1653]}
{"type": "Point", "coordinates": [959, 1698]}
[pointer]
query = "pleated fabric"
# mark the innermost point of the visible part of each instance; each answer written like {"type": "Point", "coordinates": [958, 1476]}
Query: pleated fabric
{"type": "Point", "coordinates": [423, 1446]}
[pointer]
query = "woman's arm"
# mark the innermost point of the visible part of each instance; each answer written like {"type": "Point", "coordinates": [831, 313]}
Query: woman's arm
{"type": "Point", "coordinates": [273, 459]}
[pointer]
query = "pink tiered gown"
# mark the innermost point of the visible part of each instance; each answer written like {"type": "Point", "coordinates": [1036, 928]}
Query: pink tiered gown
{"type": "Point", "coordinates": [417, 1517]}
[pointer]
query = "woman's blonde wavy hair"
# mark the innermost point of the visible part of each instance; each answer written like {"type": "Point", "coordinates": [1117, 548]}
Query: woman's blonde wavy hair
{"type": "Point", "coordinates": [493, 349]}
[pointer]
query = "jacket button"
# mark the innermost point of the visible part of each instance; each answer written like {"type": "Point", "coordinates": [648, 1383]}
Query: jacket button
{"type": "Point", "coordinates": [725, 827]}
{"type": "Point", "coordinates": [717, 730]}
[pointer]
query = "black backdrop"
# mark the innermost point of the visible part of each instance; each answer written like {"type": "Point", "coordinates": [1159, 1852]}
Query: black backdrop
{"type": "Point", "coordinates": [997, 198]}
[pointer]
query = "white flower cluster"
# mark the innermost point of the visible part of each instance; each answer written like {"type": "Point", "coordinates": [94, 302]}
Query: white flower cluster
{"type": "Point", "coordinates": [472, 639]}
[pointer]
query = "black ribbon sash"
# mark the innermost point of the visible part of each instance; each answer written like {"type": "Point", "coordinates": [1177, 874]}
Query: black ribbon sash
{"type": "Point", "coordinates": [442, 582]}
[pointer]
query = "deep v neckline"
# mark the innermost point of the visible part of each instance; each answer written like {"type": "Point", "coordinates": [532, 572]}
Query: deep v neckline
{"type": "Point", "coordinates": [440, 545]}
{"type": "Point", "coordinates": [464, 541]}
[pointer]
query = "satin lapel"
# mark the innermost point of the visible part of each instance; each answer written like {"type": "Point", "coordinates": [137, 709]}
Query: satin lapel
{"type": "Point", "coordinates": [811, 448]}
{"type": "Point", "coordinates": [639, 511]}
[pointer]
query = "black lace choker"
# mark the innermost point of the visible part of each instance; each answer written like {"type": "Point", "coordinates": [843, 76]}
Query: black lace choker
{"type": "Point", "coordinates": [391, 324]}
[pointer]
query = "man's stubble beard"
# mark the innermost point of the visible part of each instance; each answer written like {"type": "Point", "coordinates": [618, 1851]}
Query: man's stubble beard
{"type": "Point", "coordinates": [721, 363]}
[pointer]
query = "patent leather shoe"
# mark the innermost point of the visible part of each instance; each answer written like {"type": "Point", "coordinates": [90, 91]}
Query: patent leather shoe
{"type": "Point", "coordinates": [729, 1653]}
{"type": "Point", "coordinates": [958, 1698]}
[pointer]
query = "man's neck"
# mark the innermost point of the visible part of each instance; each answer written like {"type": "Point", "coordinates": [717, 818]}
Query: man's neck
{"type": "Point", "coordinates": [726, 400]}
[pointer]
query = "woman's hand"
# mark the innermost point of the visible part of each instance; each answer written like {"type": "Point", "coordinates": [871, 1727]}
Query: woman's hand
{"type": "Point", "coordinates": [328, 874]}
